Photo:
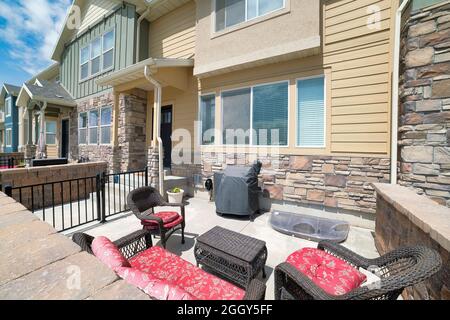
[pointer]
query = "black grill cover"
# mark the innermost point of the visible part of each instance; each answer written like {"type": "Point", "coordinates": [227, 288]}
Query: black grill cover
{"type": "Point", "coordinates": [237, 191]}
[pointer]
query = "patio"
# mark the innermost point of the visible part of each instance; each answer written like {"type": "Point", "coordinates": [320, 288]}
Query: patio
{"type": "Point", "coordinates": [201, 217]}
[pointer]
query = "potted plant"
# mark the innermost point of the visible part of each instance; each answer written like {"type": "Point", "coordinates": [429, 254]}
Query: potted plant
{"type": "Point", "coordinates": [175, 195]}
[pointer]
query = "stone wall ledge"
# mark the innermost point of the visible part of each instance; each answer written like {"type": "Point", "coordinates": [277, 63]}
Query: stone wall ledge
{"type": "Point", "coordinates": [56, 167]}
{"type": "Point", "coordinates": [426, 214]}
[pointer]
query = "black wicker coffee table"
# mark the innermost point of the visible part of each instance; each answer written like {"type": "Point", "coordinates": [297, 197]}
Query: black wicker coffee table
{"type": "Point", "coordinates": [236, 257]}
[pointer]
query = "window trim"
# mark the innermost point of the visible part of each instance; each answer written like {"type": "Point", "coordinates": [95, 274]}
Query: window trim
{"type": "Point", "coordinates": [8, 107]}
{"type": "Point", "coordinates": [104, 126]}
{"type": "Point", "coordinates": [251, 145]}
{"type": "Point", "coordinates": [325, 114]}
{"type": "Point", "coordinates": [199, 119]}
{"type": "Point", "coordinates": [89, 62]}
{"type": "Point", "coordinates": [89, 127]}
{"type": "Point", "coordinates": [83, 128]}
{"type": "Point", "coordinates": [6, 138]}
{"type": "Point", "coordinates": [276, 12]}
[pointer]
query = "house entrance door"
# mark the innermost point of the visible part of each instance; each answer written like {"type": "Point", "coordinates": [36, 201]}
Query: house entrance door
{"type": "Point", "coordinates": [166, 134]}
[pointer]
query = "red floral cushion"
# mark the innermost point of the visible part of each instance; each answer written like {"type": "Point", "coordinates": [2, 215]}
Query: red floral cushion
{"type": "Point", "coordinates": [107, 252]}
{"type": "Point", "coordinates": [154, 287]}
{"type": "Point", "coordinates": [176, 271]}
{"type": "Point", "coordinates": [332, 274]}
{"type": "Point", "coordinates": [170, 220]}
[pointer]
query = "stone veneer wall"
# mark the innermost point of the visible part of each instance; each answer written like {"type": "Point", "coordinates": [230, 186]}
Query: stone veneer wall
{"type": "Point", "coordinates": [404, 218]}
{"type": "Point", "coordinates": [131, 150]}
{"type": "Point", "coordinates": [46, 175]}
{"type": "Point", "coordinates": [93, 152]}
{"type": "Point", "coordinates": [339, 183]}
{"type": "Point", "coordinates": [424, 133]}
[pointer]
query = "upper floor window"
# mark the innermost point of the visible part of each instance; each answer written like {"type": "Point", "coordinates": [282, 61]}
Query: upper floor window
{"type": "Point", "coordinates": [97, 56]}
{"type": "Point", "coordinates": [233, 12]}
{"type": "Point", "coordinates": [8, 106]}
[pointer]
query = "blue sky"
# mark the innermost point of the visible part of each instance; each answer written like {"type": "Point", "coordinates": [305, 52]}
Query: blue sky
{"type": "Point", "coordinates": [29, 30]}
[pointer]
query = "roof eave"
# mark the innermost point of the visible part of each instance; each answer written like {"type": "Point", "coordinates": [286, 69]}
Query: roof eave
{"type": "Point", "coordinates": [111, 79]}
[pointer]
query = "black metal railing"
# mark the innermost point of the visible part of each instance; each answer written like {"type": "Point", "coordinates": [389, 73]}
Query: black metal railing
{"type": "Point", "coordinates": [73, 203]}
{"type": "Point", "coordinates": [10, 162]}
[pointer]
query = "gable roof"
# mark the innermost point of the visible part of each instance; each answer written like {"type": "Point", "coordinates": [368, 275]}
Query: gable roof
{"type": "Point", "coordinates": [158, 9]}
{"type": "Point", "coordinates": [47, 74]}
{"type": "Point", "coordinates": [8, 89]}
{"type": "Point", "coordinates": [51, 92]}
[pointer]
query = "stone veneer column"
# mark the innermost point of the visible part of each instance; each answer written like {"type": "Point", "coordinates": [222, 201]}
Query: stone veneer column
{"type": "Point", "coordinates": [153, 167]}
{"type": "Point", "coordinates": [132, 130]}
{"type": "Point", "coordinates": [424, 132]}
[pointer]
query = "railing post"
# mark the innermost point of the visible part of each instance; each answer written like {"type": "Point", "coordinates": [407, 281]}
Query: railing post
{"type": "Point", "coordinates": [103, 197]}
{"type": "Point", "coordinates": [146, 176]}
{"type": "Point", "coordinates": [98, 179]}
{"type": "Point", "coordinates": [8, 191]}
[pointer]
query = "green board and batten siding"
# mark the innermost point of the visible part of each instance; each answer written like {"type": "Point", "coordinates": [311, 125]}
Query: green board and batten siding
{"type": "Point", "coordinates": [124, 20]}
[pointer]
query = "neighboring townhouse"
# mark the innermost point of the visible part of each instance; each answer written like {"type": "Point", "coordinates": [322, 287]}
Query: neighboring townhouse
{"type": "Point", "coordinates": [9, 120]}
{"type": "Point", "coordinates": [166, 83]}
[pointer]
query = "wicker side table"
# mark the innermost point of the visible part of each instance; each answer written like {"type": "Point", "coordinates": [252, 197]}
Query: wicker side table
{"type": "Point", "coordinates": [234, 256]}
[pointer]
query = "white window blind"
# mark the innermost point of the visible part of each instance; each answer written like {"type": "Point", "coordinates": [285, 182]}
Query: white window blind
{"type": "Point", "coordinates": [311, 112]}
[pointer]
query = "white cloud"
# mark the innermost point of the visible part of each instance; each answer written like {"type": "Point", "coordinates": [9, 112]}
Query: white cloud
{"type": "Point", "coordinates": [31, 31]}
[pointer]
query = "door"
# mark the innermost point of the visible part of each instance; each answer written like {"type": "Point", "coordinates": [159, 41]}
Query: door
{"type": "Point", "coordinates": [166, 135]}
{"type": "Point", "coordinates": [65, 138]}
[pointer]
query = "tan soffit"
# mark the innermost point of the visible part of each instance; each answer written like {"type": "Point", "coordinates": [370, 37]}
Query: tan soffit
{"type": "Point", "coordinates": [136, 71]}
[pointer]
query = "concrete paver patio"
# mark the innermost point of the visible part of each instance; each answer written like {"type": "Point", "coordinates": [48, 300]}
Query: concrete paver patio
{"type": "Point", "coordinates": [201, 217]}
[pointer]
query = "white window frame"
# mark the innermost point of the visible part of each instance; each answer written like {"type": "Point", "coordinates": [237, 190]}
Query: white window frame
{"type": "Point", "coordinates": [214, 27]}
{"type": "Point", "coordinates": [83, 128]}
{"type": "Point", "coordinates": [92, 127]}
{"type": "Point", "coordinates": [8, 130]}
{"type": "Point", "coordinates": [325, 105]}
{"type": "Point", "coordinates": [99, 56]}
{"type": "Point", "coordinates": [104, 126]}
{"type": "Point", "coordinates": [8, 107]}
{"type": "Point", "coordinates": [200, 126]}
{"type": "Point", "coordinates": [108, 50]}
{"type": "Point", "coordinates": [51, 133]}
{"type": "Point", "coordinates": [102, 52]}
{"type": "Point", "coordinates": [251, 116]}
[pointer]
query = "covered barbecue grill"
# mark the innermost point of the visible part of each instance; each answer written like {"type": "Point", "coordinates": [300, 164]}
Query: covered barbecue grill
{"type": "Point", "coordinates": [237, 191]}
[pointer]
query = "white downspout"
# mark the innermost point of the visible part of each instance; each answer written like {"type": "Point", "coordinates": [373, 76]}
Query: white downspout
{"type": "Point", "coordinates": [138, 35]}
{"type": "Point", "coordinates": [157, 108]}
{"type": "Point", "coordinates": [395, 89]}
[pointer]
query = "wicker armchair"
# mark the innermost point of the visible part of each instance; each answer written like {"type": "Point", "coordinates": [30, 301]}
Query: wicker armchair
{"type": "Point", "coordinates": [141, 240]}
{"type": "Point", "coordinates": [143, 202]}
{"type": "Point", "coordinates": [398, 269]}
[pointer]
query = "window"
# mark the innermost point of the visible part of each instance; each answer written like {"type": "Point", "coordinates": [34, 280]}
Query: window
{"type": "Point", "coordinates": [105, 124]}
{"type": "Point", "coordinates": [96, 51]}
{"type": "Point", "coordinates": [8, 137]}
{"type": "Point", "coordinates": [50, 132]}
{"type": "Point", "coordinates": [233, 12]}
{"type": "Point", "coordinates": [8, 106]}
{"type": "Point", "coordinates": [108, 50]}
{"type": "Point", "coordinates": [236, 116]}
{"type": "Point", "coordinates": [256, 116]}
{"type": "Point", "coordinates": [82, 128]}
{"type": "Point", "coordinates": [207, 118]}
{"type": "Point", "coordinates": [270, 114]}
{"type": "Point", "coordinates": [93, 127]}
{"type": "Point", "coordinates": [97, 56]}
{"type": "Point", "coordinates": [84, 63]}
{"type": "Point", "coordinates": [311, 112]}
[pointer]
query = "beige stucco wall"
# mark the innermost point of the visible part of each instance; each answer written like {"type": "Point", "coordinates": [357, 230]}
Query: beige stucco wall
{"type": "Point", "coordinates": [294, 30]}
